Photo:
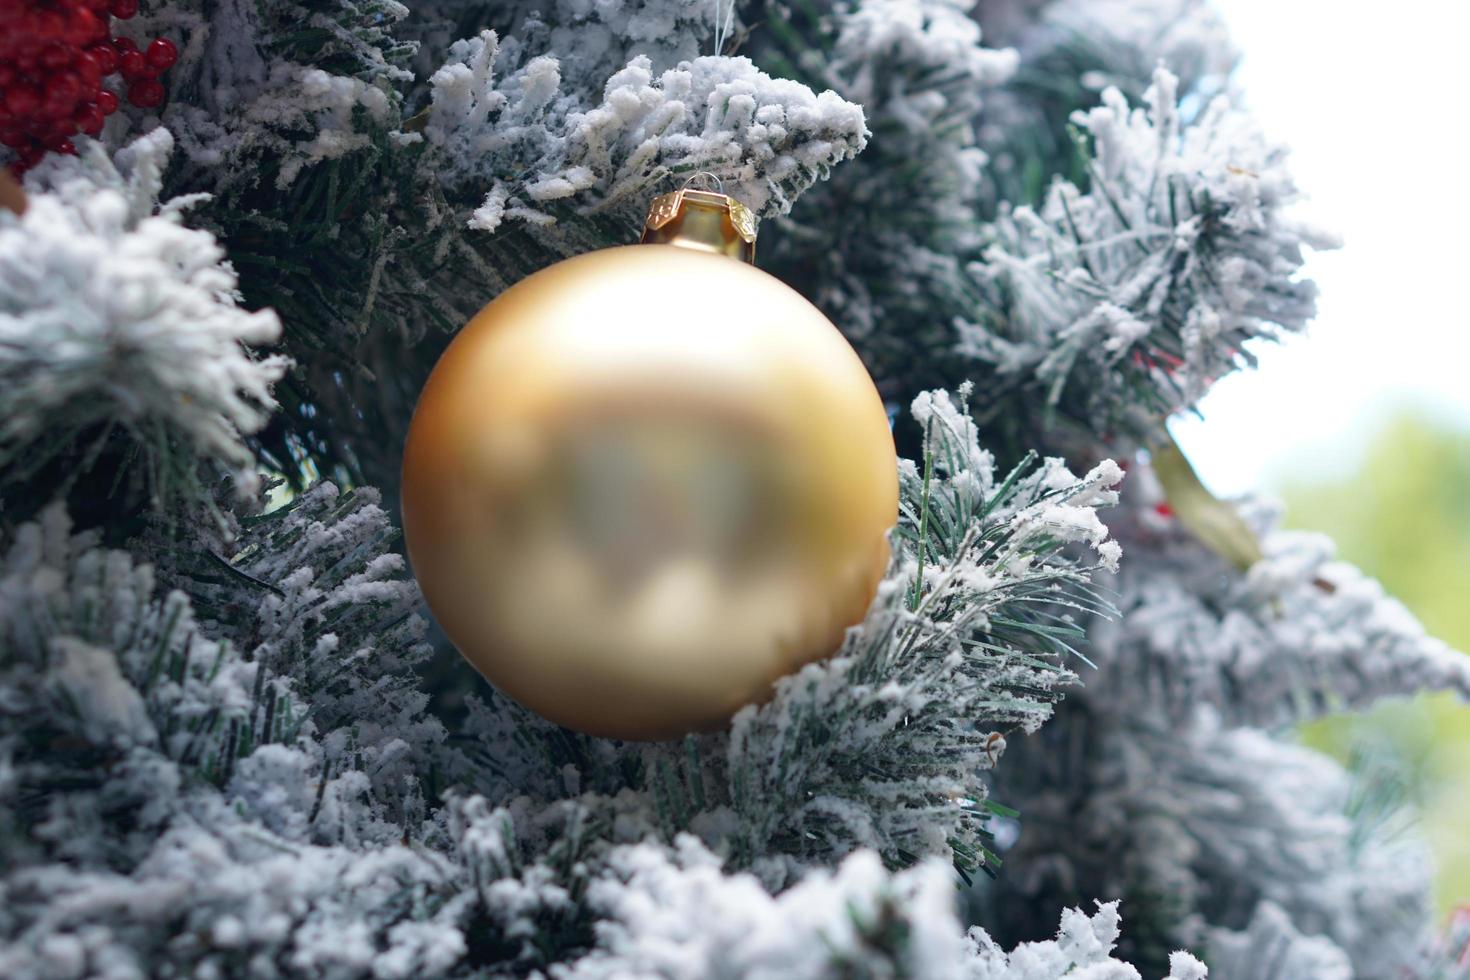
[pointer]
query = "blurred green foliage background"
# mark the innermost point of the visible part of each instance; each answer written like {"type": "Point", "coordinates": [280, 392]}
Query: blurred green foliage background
{"type": "Point", "coordinates": [1403, 516]}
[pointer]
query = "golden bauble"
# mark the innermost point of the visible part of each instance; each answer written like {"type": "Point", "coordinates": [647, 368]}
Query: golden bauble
{"type": "Point", "coordinates": [643, 484]}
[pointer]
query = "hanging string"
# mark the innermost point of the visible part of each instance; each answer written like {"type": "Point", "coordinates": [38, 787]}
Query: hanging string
{"type": "Point", "coordinates": [723, 25]}
{"type": "Point", "coordinates": [708, 178]}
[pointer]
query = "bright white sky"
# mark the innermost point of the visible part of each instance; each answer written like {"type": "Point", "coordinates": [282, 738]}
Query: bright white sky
{"type": "Point", "coordinates": [1372, 99]}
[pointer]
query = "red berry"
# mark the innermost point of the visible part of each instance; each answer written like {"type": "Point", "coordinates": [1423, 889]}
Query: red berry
{"type": "Point", "coordinates": [80, 23]}
{"type": "Point", "coordinates": [22, 100]}
{"type": "Point", "coordinates": [47, 25]}
{"type": "Point", "coordinates": [89, 119]}
{"type": "Point", "coordinates": [54, 130]}
{"type": "Point", "coordinates": [84, 27]}
{"type": "Point", "coordinates": [146, 94]}
{"type": "Point", "coordinates": [55, 56]}
{"type": "Point", "coordinates": [89, 72]}
{"type": "Point", "coordinates": [64, 88]}
{"type": "Point", "coordinates": [162, 54]}
{"type": "Point", "coordinates": [133, 65]}
{"type": "Point", "coordinates": [105, 56]}
{"type": "Point", "coordinates": [28, 53]}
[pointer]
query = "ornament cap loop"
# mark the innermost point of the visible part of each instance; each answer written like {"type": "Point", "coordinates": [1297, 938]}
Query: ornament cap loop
{"type": "Point", "coordinates": [706, 221]}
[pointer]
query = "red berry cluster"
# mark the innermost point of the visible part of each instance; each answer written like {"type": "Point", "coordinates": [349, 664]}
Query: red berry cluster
{"type": "Point", "coordinates": [54, 55]}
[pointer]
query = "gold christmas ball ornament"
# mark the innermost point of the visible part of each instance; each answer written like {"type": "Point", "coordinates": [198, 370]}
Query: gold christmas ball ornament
{"type": "Point", "coordinates": [646, 482]}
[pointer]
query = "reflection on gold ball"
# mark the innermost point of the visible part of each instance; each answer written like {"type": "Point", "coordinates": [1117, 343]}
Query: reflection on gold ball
{"type": "Point", "coordinates": [643, 484]}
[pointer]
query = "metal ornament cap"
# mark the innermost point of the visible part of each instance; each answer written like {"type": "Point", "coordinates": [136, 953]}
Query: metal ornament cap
{"type": "Point", "coordinates": [707, 221]}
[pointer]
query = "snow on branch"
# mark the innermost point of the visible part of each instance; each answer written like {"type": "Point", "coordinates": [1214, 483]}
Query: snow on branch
{"type": "Point", "coordinates": [881, 746]}
{"type": "Point", "coordinates": [1126, 300]}
{"type": "Point", "coordinates": [1097, 44]}
{"type": "Point", "coordinates": [95, 659]}
{"type": "Point", "coordinates": [1164, 756]}
{"type": "Point", "coordinates": [202, 813]}
{"type": "Point", "coordinates": [117, 318]}
{"type": "Point", "coordinates": [265, 90]}
{"type": "Point", "coordinates": [1200, 826]}
{"type": "Point", "coordinates": [1271, 943]}
{"type": "Point", "coordinates": [879, 246]}
{"type": "Point", "coordinates": [315, 592]}
{"type": "Point", "coordinates": [677, 916]}
{"type": "Point", "coordinates": [1297, 636]}
{"type": "Point", "coordinates": [218, 895]}
{"type": "Point", "coordinates": [516, 129]}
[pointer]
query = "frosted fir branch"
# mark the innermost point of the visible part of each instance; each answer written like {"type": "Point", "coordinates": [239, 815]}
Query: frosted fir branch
{"type": "Point", "coordinates": [508, 891]}
{"type": "Point", "coordinates": [217, 896]}
{"type": "Point", "coordinates": [538, 147]}
{"type": "Point", "coordinates": [591, 41]}
{"type": "Point", "coordinates": [1100, 44]}
{"type": "Point", "coordinates": [315, 593]}
{"type": "Point", "coordinates": [91, 656]}
{"type": "Point", "coordinates": [169, 795]}
{"type": "Point", "coordinates": [1297, 636]}
{"type": "Point", "coordinates": [1125, 301]}
{"type": "Point", "coordinates": [888, 270]}
{"type": "Point", "coordinates": [1272, 946]}
{"type": "Point", "coordinates": [882, 745]}
{"type": "Point", "coordinates": [1082, 942]}
{"type": "Point", "coordinates": [677, 916]}
{"type": "Point", "coordinates": [291, 688]}
{"type": "Point", "coordinates": [1071, 51]}
{"type": "Point", "coordinates": [1280, 820]}
{"type": "Point", "coordinates": [1194, 820]}
{"type": "Point", "coordinates": [1196, 827]}
{"type": "Point", "coordinates": [263, 91]}
{"type": "Point", "coordinates": [120, 324]}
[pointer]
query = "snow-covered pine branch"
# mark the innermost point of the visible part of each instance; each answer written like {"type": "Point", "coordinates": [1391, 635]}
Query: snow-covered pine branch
{"type": "Point", "coordinates": [1069, 54]}
{"type": "Point", "coordinates": [1202, 822]}
{"type": "Point", "coordinates": [1123, 302]}
{"type": "Point", "coordinates": [315, 592]}
{"type": "Point", "coordinates": [879, 247]}
{"type": "Point", "coordinates": [590, 42]}
{"type": "Point", "coordinates": [170, 800]}
{"type": "Point", "coordinates": [263, 91]}
{"type": "Point", "coordinates": [882, 745]}
{"type": "Point", "coordinates": [122, 332]}
{"type": "Point", "coordinates": [529, 143]}
{"type": "Point", "coordinates": [677, 916]}
{"type": "Point", "coordinates": [1200, 828]}
{"type": "Point", "coordinates": [1297, 636]}
{"type": "Point", "coordinates": [358, 201]}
